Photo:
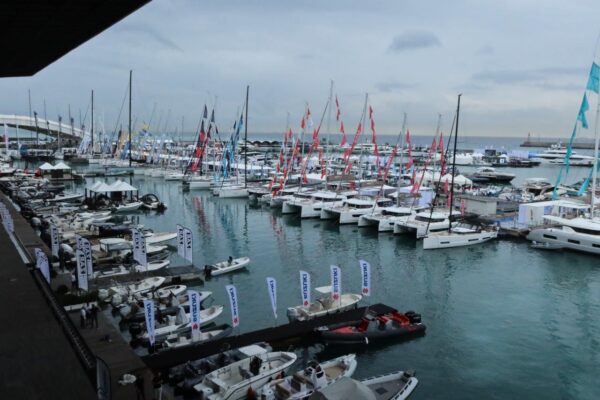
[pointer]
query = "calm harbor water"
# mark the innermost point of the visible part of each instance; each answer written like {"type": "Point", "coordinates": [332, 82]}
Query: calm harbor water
{"type": "Point", "coordinates": [504, 320]}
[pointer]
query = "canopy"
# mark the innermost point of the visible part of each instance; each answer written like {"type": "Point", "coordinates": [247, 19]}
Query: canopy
{"type": "Point", "coordinates": [99, 187]}
{"type": "Point", "coordinates": [61, 165]}
{"type": "Point", "coordinates": [46, 166]}
{"type": "Point", "coordinates": [459, 180]}
{"type": "Point", "coordinates": [120, 186]}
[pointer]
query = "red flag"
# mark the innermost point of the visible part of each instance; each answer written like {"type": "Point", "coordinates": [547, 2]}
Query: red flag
{"type": "Point", "coordinates": [462, 207]}
{"type": "Point", "coordinates": [338, 112]}
{"type": "Point", "coordinates": [344, 138]}
{"type": "Point", "coordinates": [446, 186]}
{"type": "Point", "coordinates": [302, 123]}
{"type": "Point", "coordinates": [442, 155]}
{"type": "Point", "coordinates": [370, 112]}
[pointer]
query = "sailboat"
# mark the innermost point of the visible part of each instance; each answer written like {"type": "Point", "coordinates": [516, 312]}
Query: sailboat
{"type": "Point", "coordinates": [581, 233]}
{"type": "Point", "coordinates": [461, 234]}
{"type": "Point", "coordinates": [238, 190]}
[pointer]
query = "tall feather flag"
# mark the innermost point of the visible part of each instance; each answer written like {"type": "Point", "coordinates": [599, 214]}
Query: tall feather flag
{"type": "Point", "coordinates": [374, 140]}
{"type": "Point", "coordinates": [343, 132]}
{"type": "Point", "coordinates": [585, 106]}
{"type": "Point", "coordinates": [338, 112]}
{"type": "Point", "coordinates": [594, 78]}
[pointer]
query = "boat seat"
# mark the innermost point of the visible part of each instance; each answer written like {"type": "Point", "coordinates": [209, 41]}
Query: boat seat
{"type": "Point", "coordinates": [282, 391]}
{"type": "Point", "coordinates": [245, 373]}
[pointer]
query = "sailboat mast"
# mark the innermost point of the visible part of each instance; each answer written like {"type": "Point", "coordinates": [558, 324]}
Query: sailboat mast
{"type": "Point", "coordinates": [328, 144]}
{"type": "Point", "coordinates": [92, 130]}
{"type": "Point", "coordinates": [595, 170]}
{"type": "Point", "coordinates": [246, 140]}
{"type": "Point", "coordinates": [454, 164]}
{"type": "Point", "coordinates": [129, 145]}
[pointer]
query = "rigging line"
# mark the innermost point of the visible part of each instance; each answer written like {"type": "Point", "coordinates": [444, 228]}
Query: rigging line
{"type": "Point", "coordinates": [118, 120]}
{"type": "Point", "coordinates": [437, 188]}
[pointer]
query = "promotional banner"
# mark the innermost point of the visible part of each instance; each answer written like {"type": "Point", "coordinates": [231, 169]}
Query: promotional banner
{"type": "Point", "coordinates": [272, 287]}
{"type": "Point", "coordinates": [41, 261]}
{"type": "Point", "coordinates": [189, 245]}
{"type": "Point", "coordinates": [139, 247]}
{"type": "Point", "coordinates": [82, 275]}
{"type": "Point", "coordinates": [54, 239]}
{"type": "Point", "coordinates": [305, 288]}
{"type": "Point", "coordinates": [86, 247]}
{"type": "Point", "coordinates": [233, 302]}
{"type": "Point", "coordinates": [149, 316]}
{"type": "Point", "coordinates": [195, 313]}
{"type": "Point", "coordinates": [180, 242]}
{"type": "Point", "coordinates": [365, 277]}
{"type": "Point", "coordinates": [336, 283]}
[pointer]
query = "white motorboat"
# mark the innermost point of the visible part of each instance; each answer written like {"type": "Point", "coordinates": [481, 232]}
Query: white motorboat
{"type": "Point", "coordinates": [579, 234]}
{"type": "Point", "coordinates": [114, 249]}
{"type": "Point", "coordinates": [385, 219]}
{"type": "Point", "coordinates": [131, 206]}
{"type": "Point", "coordinates": [233, 381]}
{"type": "Point", "coordinates": [180, 323]}
{"type": "Point", "coordinates": [314, 377]}
{"type": "Point", "coordinates": [143, 286]}
{"type": "Point", "coordinates": [110, 273]}
{"type": "Point", "coordinates": [423, 223]}
{"type": "Point", "coordinates": [351, 209]}
{"type": "Point", "coordinates": [205, 335]}
{"type": "Point", "coordinates": [66, 197]}
{"type": "Point", "coordinates": [159, 237]}
{"type": "Point", "coordinates": [151, 202]}
{"type": "Point", "coordinates": [394, 386]}
{"type": "Point", "coordinates": [224, 267]}
{"type": "Point", "coordinates": [324, 305]}
{"type": "Point", "coordinates": [152, 266]}
{"type": "Point", "coordinates": [172, 290]}
{"type": "Point", "coordinates": [231, 191]}
{"type": "Point", "coordinates": [173, 176]}
{"type": "Point", "coordinates": [458, 236]}
{"type": "Point", "coordinates": [557, 153]}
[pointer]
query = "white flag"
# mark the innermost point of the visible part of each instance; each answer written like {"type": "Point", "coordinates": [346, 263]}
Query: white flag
{"type": "Point", "coordinates": [195, 313]}
{"type": "Point", "coordinates": [365, 277]}
{"type": "Point", "coordinates": [149, 315]}
{"type": "Point", "coordinates": [305, 288]}
{"type": "Point", "coordinates": [86, 247]}
{"type": "Point", "coordinates": [272, 287]}
{"type": "Point", "coordinates": [82, 275]}
{"type": "Point", "coordinates": [189, 245]}
{"type": "Point", "coordinates": [180, 242]}
{"type": "Point", "coordinates": [336, 282]}
{"type": "Point", "coordinates": [139, 248]}
{"type": "Point", "coordinates": [233, 302]}
{"type": "Point", "coordinates": [41, 261]}
{"type": "Point", "coordinates": [54, 239]}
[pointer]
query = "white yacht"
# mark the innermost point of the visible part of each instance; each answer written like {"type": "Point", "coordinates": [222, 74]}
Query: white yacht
{"type": "Point", "coordinates": [323, 305]}
{"type": "Point", "coordinates": [234, 191]}
{"type": "Point", "coordinates": [311, 206]}
{"type": "Point", "coordinates": [423, 223]}
{"type": "Point", "coordinates": [386, 218]}
{"type": "Point", "coordinates": [556, 155]}
{"type": "Point", "coordinates": [351, 209]}
{"type": "Point", "coordinates": [581, 234]}
{"type": "Point", "coordinates": [233, 381]}
{"type": "Point", "coordinates": [458, 236]}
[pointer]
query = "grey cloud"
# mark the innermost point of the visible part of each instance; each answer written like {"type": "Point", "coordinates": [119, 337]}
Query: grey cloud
{"type": "Point", "coordinates": [145, 32]}
{"type": "Point", "coordinates": [393, 86]}
{"type": "Point", "coordinates": [413, 40]}
{"type": "Point", "coordinates": [485, 50]}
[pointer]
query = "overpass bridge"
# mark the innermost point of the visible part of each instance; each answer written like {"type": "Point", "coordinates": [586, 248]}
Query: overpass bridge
{"type": "Point", "coordinates": [44, 126]}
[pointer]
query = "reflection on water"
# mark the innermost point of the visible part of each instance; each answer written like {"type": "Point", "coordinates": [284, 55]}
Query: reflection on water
{"type": "Point", "coordinates": [504, 321]}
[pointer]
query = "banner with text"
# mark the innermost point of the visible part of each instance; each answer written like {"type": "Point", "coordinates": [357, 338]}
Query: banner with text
{"type": "Point", "coordinates": [365, 277]}
{"type": "Point", "coordinates": [272, 287]}
{"type": "Point", "coordinates": [305, 288]}
{"type": "Point", "coordinates": [194, 297]}
{"type": "Point", "coordinates": [233, 302]}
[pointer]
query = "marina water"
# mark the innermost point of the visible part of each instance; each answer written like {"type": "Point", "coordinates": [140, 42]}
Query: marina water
{"type": "Point", "coordinates": [504, 320]}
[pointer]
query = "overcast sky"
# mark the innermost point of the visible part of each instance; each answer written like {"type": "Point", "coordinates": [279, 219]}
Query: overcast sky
{"type": "Point", "coordinates": [520, 64]}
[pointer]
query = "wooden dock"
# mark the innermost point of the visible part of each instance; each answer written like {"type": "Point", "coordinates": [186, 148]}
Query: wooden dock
{"type": "Point", "coordinates": [297, 330]}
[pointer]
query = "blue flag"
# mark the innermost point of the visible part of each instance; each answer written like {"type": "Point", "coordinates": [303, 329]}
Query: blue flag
{"type": "Point", "coordinates": [582, 110]}
{"type": "Point", "coordinates": [594, 79]}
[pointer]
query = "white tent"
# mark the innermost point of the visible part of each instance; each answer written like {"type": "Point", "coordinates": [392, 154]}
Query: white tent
{"type": "Point", "coordinates": [99, 187]}
{"type": "Point", "coordinates": [46, 166]}
{"type": "Point", "coordinates": [61, 165]}
{"type": "Point", "coordinates": [120, 186]}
